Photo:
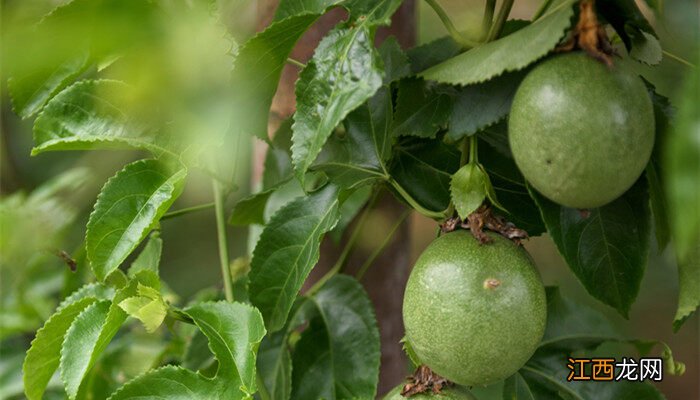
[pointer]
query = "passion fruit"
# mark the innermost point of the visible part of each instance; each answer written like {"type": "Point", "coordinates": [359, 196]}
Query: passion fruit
{"type": "Point", "coordinates": [450, 393]}
{"type": "Point", "coordinates": [474, 314]}
{"type": "Point", "coordinates": [581, 132]}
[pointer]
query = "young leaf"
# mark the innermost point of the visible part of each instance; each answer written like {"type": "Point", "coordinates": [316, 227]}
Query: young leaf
{"type": "Point", "coordinates": [170, 382]}
{"type": "Point", "coordinates": [287, 250]}
{"type": "Point", "coordinates": [89, 115]}
{"type": "Point", "coordinates": [421, 109]}
{"type": "Point", "coordinates": [43, 355]}
{"type": "Point", "coordinates": [478, 106]}
{"type": "Point", "coordinates": [149, 258]}
{"type": "Point", "coordinates": [147, 306]}
{"type": "Point", "coordinates": [29, 93]}
{"type": "Point", "coordinates": [338, 354]}
{"type": "Point", "coordinates": [128, 206]}
{"type": "Point", "coordinates": [605, 247]}
{"type": "Point", "coordinates": [357, 156]}
{"type": "Point", "coordinates": [344, 72]}
{"type": "Point", "coordinates": [510, 53]}
{"type": "Point", "coordinates": [234, 331]}
{"type": "Point", "coordinates": [468, 189]}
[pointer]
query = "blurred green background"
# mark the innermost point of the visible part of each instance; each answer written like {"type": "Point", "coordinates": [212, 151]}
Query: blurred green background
{"type": "Point", "coordinates": [35, 224]}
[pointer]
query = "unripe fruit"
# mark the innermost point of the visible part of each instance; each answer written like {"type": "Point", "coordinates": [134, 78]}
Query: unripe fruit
{"type": "Point", "coordinates": [474, 313]}
{"type": "Point", "coordinates": [580, 132]}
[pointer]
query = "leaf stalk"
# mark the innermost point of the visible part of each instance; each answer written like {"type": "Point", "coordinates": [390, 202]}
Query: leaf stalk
{"type": "Point", "coordinates": [456, 35]}
{"type": "Point", "coordinates": [223, 243]}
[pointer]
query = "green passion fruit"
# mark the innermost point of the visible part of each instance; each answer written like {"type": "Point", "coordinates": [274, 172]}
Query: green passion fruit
{"type": "Point", "coordinates": [474, 314]}
{"type": "Point", "coordinates": [449, 393]}
{"type": "Point", "coordinates": [581, 132]}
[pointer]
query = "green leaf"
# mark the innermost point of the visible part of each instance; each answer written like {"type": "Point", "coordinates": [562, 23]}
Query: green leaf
{"type": "Point", "coordinates": [432, 53]}
{"type": "Point", "coordinates": [634, 29]}
{"type": "Point", "coordinates": [645, 47]}
{"type": "Point", "coordinates": [148, 307]}
{"type": "Point", "coordinates": [517, 206]}
{"type": "Point", "coordinates": [80, 343]}
{"type": "Point", "coordinates": [688, 282]}
{"type": "Point", "coordinates": [338, 354]}
{"type": "Point", "coordinates": [663, 113]}
{"type": "Point", "coordinates": [605, 247]}
{"type": "Point", "coordinates": [481, 105]}
{"type": "Point", "coordinates": [91, 332]}
{"type": "Point", "coordinates": [92, 114]}
{"type": "Point", "coordinates": [258, 68]}
{"type": "Point", "coordinates": [172, 383]}
{"type": "Point", "coordinates": [44, 354]}
{"type": "Point", "coordinates": [356, 156]}
{"type": "Point", "coordinates": [278, 158]}
{"type": "Point", "coordinates": [234, 331]}
{"type": "Point", "coordinates": [394, 60]}
{"type": "Point", "coordinates": [128, 206]}
{"type": "Point", "coordinates": [149, 258]}
{"type": "Point", "coordinates": [516, 388]}
{"type": "Point", "coordinates": [30, 93]}
{"type": "Point", "coordinates": [681, 163]}
{"type": "Point", "coordinates": [468, 189]}
{"type": "Point", "coordinates": [571, 329]}
{"type": "Point", "coordinates": [275, 365]}
{"type": "Point", "coordinates": [287, 251]}
{"type": "Point", "coordinates": [251, 210]}
{"type": "Point", "coordinates": [510, 53]}
{"type": "Point", "coordinates": [424, 169]}
{"type": "Point", "coordinates": [349, 209]}
{"type": "Point", "coordinates": [421, 108]}
{"type": "Point", "coordinates": [344, 72]}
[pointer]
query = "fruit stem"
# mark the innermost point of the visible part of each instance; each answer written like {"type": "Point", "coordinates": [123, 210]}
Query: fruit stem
{"type": "Point", "coordinates": [454, 33]}
{"type": "Point", "coordinates": [413, 203]}
{"type": "Point", "coordinates": [337, 267]}
{"type": "Point", "coordinates": [223, 244]}
{"type": "Point", "coordinates": [370, 260]}
{"type": "Point", "coordinates": [500, 21]}
{"type": "Point", "coordinates": [187, 210]}
{"type": "Point", "coordinates": [473, 149]}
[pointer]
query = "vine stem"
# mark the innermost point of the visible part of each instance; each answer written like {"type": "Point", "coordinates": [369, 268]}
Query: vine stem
{"type": "Point", "coordinates": [473, 149]}
{"type": "Point", "coordinates": [338, 266]}
{"type": "Point", "coordinates": [187, 210]}
{"type": "Point", "coordinates": [454, 33]}
{"type": "Point", "coordinates": [297, 63]}
{"type": "Point", "coordinates": [370, 260]}
{"type": "Point", "coordinates": [497, 25]}
{"type": "Point", "coordinates": [223, 244]}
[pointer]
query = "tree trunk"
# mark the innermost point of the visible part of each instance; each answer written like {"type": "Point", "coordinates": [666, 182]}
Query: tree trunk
{"type": "Point", "coordinates": [386, 279]}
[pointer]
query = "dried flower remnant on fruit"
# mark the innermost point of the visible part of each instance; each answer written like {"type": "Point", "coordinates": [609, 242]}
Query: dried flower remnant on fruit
{"type": "Point", "coordinates": [423, 380]}
{"type": "Point", "coordinates": [482, 218]}
{"type": "Point", "coordinates": [589, 35]}
{"type": "Point", "coordinates": [491, 283]}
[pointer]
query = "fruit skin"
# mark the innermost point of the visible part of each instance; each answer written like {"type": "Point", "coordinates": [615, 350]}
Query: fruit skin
{"type": "Point", "coordinates": [450, 393]}
{"type": "Point", "coordinates": [465, 331]}
{"type": "Point", "coordinates": [580, 132]}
